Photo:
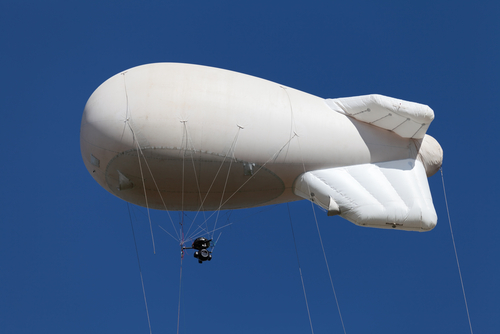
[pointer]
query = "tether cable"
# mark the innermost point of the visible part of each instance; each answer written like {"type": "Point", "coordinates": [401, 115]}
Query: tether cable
{"type": "Point", "coordinates": [321, 242]}
{"type": "Point", "coordinates": [327, 267]}
{"type": "Point", "coordinates": [300, 270]}
{"type": "Point", "coordinates": [180, 293]}
{"type": "Point", "coordinates": [456, 254]}
{"type": "Point", "coordinates": [140, 270]}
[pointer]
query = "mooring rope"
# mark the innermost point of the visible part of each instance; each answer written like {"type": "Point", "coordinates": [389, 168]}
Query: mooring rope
{"type": "Point", "coordinates": [140, 270]}
{"type": "Point", "coordinates": [456, 254]}
{"type": "Point", "coordinates": [300, 270]}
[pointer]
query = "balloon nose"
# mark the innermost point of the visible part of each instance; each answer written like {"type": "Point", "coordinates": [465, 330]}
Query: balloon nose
{"type": "Point", "coordinates": [105, 116]}
{"type": "Point", "coordinates": [103, 131]}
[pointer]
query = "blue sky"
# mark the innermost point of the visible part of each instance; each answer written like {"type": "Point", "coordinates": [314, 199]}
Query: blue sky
{"type": "Point", "coordinates": [67, 256]}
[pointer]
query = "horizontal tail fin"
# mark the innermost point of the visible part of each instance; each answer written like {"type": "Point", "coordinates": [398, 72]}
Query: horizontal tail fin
{"type": "Point", "coordinates": [392, 194]}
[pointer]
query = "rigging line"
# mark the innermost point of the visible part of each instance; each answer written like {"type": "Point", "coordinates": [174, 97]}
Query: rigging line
{"type": "Point", "coordinates": [258, 170]}
{"type": "Point", "coordinates": [127, 110]}
{"type": "Point", "coordinates": [184, 146]}
{"type": "Point", "coordinates": [179, 303]}
{"type": "Point", "coordinates": [224, 189]}
{"type": "Point", "coordinates": [292, 118]}
{"type": "Point", "coordinates": [192, 150]}
{"type": "Point", "coordinates": [321, 242]}
{"type": "Point", "coordinates": [216, 241]}
{"type": "Point", "coordinates": [170, 234]}
{"type": "Point", "coordinates": [182, 192]}
{"type": "Point", "coordinates": [267, 207]}
{"type": "Point", "coordinates": [173, 237]}
{"type": "Point", "coordinates": [455, 249]}
{"type": "Point", "coordinates": [202, 200]}
{"type": "Point", "coordinates": [144, 185]}
{"type": "Point", "coordinates": [159, 192]}
{"type": "Point", "coordinates": [140, 270]}
{"type": "Point", "coordinates": [220, 234]}
{"type": "Point", "coordinates": [200, 229]}
{"type": "Point", "coordinates": [300, 270]}
{"type": "Point", "coordinates": [194, 236]}
{"type": "Point", "coordinates": [213, 181]}
{"type": "Point", "coordinates": [156, 185]}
